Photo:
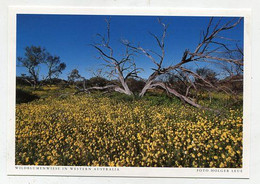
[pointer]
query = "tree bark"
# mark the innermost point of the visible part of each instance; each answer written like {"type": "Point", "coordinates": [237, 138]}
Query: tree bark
{"type": "Point", "coordinates": [113, 87]}
{"type": "Point", "coordinates": [123, 82]}
{"type": "Point", "coordinates": [148, 83]}
{"type": "Point", "coordinates": [175, 93]}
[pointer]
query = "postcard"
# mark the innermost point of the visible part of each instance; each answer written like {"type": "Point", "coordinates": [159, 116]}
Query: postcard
{"type": "Point", "coordinates": [129, 92]}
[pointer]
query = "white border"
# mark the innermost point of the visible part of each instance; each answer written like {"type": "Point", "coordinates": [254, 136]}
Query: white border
{"type": "Point", "coordinates": [125, 171]}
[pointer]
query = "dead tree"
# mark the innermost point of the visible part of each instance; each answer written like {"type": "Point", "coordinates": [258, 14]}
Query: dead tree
{"type": "Point", "coordinates": [122, 68]}
{"type": "Point", "coordinates": [206, 51]}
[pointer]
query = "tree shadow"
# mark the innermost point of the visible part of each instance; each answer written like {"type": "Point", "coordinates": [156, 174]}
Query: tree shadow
{"type": "Point", "coordinates": [24, 96]}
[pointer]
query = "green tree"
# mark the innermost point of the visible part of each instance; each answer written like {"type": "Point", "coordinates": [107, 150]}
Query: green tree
{"type": "Point", "coordinates": [34, 56]}
{"type": "Point", "coordinates": [55, 66]}
{"type": "Point", "coordinates": [207, 74]}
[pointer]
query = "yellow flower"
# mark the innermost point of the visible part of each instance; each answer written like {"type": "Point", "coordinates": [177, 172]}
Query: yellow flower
{"type": "Point", "coordinates": [221, 165]}
{"type": "Point", "coordinates": [125, 134]}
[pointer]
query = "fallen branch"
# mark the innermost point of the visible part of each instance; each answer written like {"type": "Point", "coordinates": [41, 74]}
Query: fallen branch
{"type": "Point", "coordinates": [108, 87]}
{"type": "Point", "coordinates": [182, 97]}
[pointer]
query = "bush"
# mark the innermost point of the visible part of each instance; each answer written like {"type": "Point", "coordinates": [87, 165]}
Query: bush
{"type": "Point", "coordinates": [122, 97]}
{"type": "Point", "coordinates": [24, 96]}
{"type": "Point", "coordinates": [22, 81]}
{"type": "Point", "coordinates": [97, 81]}
{"type": "Point", "coordinates": [134, 85]}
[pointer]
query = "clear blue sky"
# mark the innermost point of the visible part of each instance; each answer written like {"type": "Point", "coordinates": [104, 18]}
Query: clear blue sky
{"type": "Point", "coordinates": [69, 36]}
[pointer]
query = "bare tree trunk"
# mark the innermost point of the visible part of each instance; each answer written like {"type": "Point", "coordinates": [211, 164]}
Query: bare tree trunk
{"type": "Point", "coordinates": [34, 84]}
{"type": "Point", "coordinates": [123, 82]}
{"type": "Point", "coordinates": [126, 88]}
{"type": "Point", "coordinates": [120, 90]}
{"type": "Point", "coordinates": [145, 88]}
{"type": "Point", "coordinates": [26, 80]}
{"type": "Point", "coordinates": [108, 87]}
{"type": "Point", "coordinates": [188, 90]}
{"type": "Point", "coordinates": [148, 84]}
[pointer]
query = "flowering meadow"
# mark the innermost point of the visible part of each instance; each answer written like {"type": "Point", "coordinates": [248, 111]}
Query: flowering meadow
{"type": "Point", "coordinates": [85, 130]}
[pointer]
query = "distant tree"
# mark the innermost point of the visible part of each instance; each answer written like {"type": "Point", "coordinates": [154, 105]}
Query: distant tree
{"type": "Point", "coordinates": [34, 56]}
{"type": "Point", "coordinates": [77, 81]}
{"type": "Point", "coordinates": [73, 76]}
{"type": "Point", "coordinates": [135, 85]}
{"type": "Point", "coordinates": [181, 82]}
{"type": "Point", "coordinates": [55, 66]}
{"type": "Point", "coordinates": [98, 81]}
{"type": "Point", "coordinates": [233, 84]}
{"type": "Point", "coordinates": [207, 74]}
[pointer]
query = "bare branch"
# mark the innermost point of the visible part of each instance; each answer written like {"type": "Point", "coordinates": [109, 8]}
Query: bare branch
{"type": "Point", "coordinates": [236, 61]}
{"type": "Point", "coordinates": [197, 76]}
{"type": "Point", "coordinates": [208, 37]}
{"type": "Point", "coordinates": [104, 54]}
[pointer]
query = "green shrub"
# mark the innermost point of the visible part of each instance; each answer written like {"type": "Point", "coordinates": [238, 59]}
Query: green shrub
{"type": "Point", "coordinates": [160, 99]}
{"type": "Point", "coordinates": [122, 97]}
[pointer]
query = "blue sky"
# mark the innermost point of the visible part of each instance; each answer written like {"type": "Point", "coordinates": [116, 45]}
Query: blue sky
{"type": "Point", "coordinates": [69, 36]}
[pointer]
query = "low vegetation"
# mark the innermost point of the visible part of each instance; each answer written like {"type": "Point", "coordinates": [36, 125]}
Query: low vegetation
{"type": "Point", "coordinates": [121, 130]}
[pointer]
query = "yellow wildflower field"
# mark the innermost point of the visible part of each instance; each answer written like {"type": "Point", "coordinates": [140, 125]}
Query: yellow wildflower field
{"type": "Point", "coordinates": [101, 131]}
